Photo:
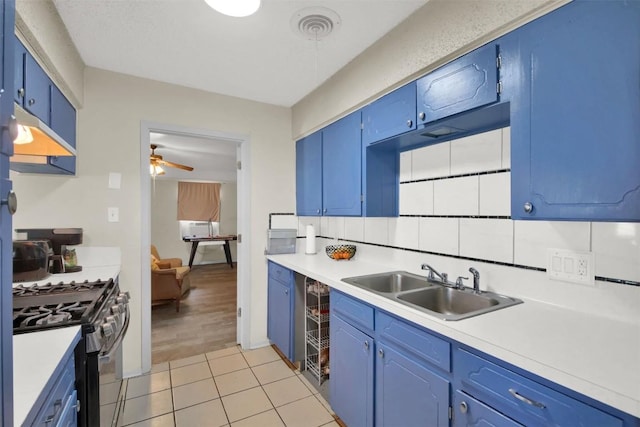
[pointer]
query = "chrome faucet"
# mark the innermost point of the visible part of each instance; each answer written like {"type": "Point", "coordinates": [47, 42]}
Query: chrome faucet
{"type": "Point", "coordinates": [476, 280]}
{"type": "Point", "coordinates": [444, 277]}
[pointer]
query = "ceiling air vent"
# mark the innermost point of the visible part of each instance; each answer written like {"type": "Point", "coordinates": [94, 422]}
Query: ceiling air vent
{"type": "Point", "coordinates": [315, 23]}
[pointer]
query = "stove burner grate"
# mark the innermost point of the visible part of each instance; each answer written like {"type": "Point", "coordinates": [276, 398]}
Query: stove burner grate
{"type": "Point", "coordinates": [47, 315]}
{"type": "Point", "coordinates": [58, 288]}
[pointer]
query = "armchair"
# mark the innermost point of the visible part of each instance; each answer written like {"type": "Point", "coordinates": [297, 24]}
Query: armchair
{"type": "Point", "coordinates": [169, 279]}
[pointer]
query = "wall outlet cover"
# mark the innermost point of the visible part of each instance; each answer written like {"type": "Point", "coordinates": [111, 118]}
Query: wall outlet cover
{"type": "Point", "coordinates": [571, 266]}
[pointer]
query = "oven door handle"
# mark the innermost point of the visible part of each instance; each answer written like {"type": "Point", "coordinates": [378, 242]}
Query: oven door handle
{"type": "Point", "coordinates": [106, 358]}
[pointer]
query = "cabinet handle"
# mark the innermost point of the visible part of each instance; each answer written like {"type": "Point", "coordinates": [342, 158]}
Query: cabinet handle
{"type": "Point", "coordinates": [526, 400]}
{"type": "Point", "coordinates": [11, 201]}
{"type": "Point", "coordinates": [422, 115]}
{"type": "Point", "coordinates": [381, 352]}
{"type": "Point", "coordinates": [286, 291]}
{"type": "Point", "coordinates": [21, 92]}
{"type": "Point", "coordinates": [366, 345]}
{"type": "Point", "coordinates": [13, 127]}
{"type": "Point", "coordinates": [464, 407]}
{"type": "Point", "coordinates": [318, 211]}
{"type": "Point", "coordinates": [528, 207]}
{"type": "Point", "coordinates": [32, 101]}
{"type": "Point", "coordinates": [409, 123]}
{"type": "Point", "coordinates": [325, 210]}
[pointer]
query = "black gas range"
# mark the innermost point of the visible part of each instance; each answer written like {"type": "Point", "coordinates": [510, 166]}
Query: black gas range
{"type": "Point", "coordinates": [102, 312]}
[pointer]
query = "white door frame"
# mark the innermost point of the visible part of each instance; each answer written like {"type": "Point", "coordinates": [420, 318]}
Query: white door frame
{"type": "Point", "coordinates": [244, 224]}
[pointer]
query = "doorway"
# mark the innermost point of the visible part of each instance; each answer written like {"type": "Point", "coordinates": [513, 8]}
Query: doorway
{"type": "Point", "coordinates": [241, 144]}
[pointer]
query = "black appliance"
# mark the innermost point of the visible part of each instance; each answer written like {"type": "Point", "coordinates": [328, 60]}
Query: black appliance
{"type": "Point", "coordinates": [102, 312]}
{"type": "Point", "coordinates": [30, 260]}
{"type": "Point", "coordinates": [64, 259]}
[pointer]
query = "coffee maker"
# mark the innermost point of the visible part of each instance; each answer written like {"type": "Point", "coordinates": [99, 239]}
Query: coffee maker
{"type": "Point", "coordinates": [63, 259]}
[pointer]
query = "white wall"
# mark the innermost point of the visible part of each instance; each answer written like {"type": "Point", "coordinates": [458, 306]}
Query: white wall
{"type": "Point", "coordinates": [109, 141]}
{"type": "Point", "coordinates": [165, 228]}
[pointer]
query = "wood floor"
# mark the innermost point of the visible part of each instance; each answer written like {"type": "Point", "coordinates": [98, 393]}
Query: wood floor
{"type": "Point", "coordinates": [207, 317]}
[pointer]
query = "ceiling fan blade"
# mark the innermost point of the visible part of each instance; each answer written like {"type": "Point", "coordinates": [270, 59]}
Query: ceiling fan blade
{"type": "Point", "coordinates": [174, 165]}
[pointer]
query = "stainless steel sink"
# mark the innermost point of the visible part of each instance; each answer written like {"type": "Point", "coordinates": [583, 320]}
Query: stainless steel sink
{"type": "Point", "coordinates": [436, 298]}
{"type": "Point", "coordinates": [454, 304]}
{"type": "Point", "coordinates": [390, 283]}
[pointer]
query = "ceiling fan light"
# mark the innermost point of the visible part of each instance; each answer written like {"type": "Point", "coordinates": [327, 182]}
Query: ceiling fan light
{"type": "Point", "coordinates": [235, 8]}
{"type": "Point", "coordinates": [155, 170]}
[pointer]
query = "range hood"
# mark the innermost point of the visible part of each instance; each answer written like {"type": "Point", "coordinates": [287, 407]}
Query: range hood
{"type": "Point", "coordinates": [45, 141]}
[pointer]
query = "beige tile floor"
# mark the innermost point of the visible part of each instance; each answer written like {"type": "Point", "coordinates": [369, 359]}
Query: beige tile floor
{"type": "Point", "coordinates": [229, 387]}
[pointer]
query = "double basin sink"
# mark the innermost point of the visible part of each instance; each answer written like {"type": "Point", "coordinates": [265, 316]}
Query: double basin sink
{"type": "Point", "coordinates": [431, 296]}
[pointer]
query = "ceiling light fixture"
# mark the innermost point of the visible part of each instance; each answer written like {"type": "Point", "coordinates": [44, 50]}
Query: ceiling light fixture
{"type": "Point", "coordinates": [155, 170]}
{"type": "Point", "coordinates": [235, 8]}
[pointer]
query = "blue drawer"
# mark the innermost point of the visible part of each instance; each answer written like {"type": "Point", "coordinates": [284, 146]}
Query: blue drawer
{"type": "Point", "coordinates": [280, 273]}
{"type": "Point", "coordinates": [357, 312]}
{"type": "Point", "coordinates": [414, 340]}
{"type": "Point", "coordinates": [64, 386]}
{"type": "Point", "coordinates": [525, 400]}
{"type": "Point", "coordinates": [468, 411]}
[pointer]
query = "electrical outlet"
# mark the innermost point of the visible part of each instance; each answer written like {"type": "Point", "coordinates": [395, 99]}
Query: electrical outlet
{"type": "Point", "coordinates": [571, 266]}
{"type": "Point", "coordinates": [113, 214]}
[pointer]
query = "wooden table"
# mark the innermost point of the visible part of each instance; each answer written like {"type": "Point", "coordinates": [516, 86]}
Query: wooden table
{"type": "Point", "coordinates": [227, 248]}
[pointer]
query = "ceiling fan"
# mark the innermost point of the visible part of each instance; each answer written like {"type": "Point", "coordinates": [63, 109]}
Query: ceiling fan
{"type": "Point", "coordinates": [156, 163]}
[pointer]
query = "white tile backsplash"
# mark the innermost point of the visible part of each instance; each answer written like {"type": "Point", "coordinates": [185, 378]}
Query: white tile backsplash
{"type": "Point", "coordinates": [439, 235]}
{"type": "Point", "coordinates": [416, 198]}
{"type": "Point", "coordinates": [405, 166]}
{"type": "Point", "coordinates": [456, 196]}
{"type": "Point", "coordinates": [495, 194]}
{"type": "Point", "coordinates": [490, 239]}
{"type": "Point", "coordinates": [533, 238]}
{"type": "Point", "coordinates": [354, 229]}
{"type": "Point", "coordinates": [404, 232]}
{"type": "Point", "coordinates": [431, 161]}
{"type": "Point", "coordinates": [616, 248]}
{"type": "Point", "coordinates": [332, 227]}
{"type": "Point", "coordinates": [506, 148]}
{"type": "Point", "coordinates": [477, 153]}
{"type": "Point", "coordinates": [376, 230]}
{"type": "Point", "coordinates": [303, 221]}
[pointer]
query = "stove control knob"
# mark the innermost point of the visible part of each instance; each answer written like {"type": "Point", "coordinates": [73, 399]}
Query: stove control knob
{"type": "Point", "coordinates": [116, 309]}
{"type": "Point", "coordinates": [112, 321]}
{"type": "Point", "coordinates": [107, 329]}
{"type": "Point", "coordinates": [125, 296]}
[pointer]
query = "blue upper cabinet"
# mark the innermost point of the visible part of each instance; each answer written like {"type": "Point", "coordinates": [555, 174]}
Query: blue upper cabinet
{"type": "Point", "coordinates": [342, 167]}
{"type": "Point", "coordinates": [469, 82]}
{"type": "Point", "coordinates": [329, 170]}
{"type": "Point", "coordinates": [309, 175]}
{"type": "Point", "coordinates": [63, 122]}
{"type": "Point", "coordinates": [37, 95]}
{"type": "Point", "coordinates": [391, 115]}
{"type": "Point", "coordinates": [575, 117]}
{"type": "Point", "coordinates": [20, 54]}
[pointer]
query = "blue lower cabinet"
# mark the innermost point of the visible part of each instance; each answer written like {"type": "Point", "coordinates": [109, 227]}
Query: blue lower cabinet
{"type": "Point", "coordinates": [352, 368]}
{"type": "Point", "coordinates": [468, 411]}
{"type": "Point", "coordinates": [280, 305]}
{"type": "Point", "coordinates": [69, 417]}
{"type": "Point", "coordinates": [407, 393]}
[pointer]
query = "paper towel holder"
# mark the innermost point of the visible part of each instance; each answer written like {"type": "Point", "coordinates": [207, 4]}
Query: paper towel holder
{"type": "Point", "coordinates": [310, 240]}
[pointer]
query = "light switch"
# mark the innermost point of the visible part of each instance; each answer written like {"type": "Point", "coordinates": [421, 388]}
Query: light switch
{"type": "Point", "coordinates": [571, 266]}
{"type": "Point", "coordinates": [114, 180]}
{"type": "Point", "coordinates": [113, 214]}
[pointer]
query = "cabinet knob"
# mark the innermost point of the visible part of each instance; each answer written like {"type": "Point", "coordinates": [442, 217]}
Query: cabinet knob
{"type": "Point", "coordinates": [422, 115]}
{"type": "Point", "coordinates": [381, 352]}
{"type": "Point", "coordinates": [11, 201]}
{"type": "Point", "coordinates": [13, 128]}
{"type": "Point", "coordinates": [32, 101]}
{"type": "Point", "coordinates": [318, 211]}
{"type": "Point", "coordinates": [464, 407]}
{"type": "Point", "coordinates": [21, 92]}
{"type": "Point", "coordinates": [366, 345]}
{"type": "Point", "coordinates": [325, 210]}
{"type": "Point", "coordinates": [286, 291]}
{"type": "Point", "coordinates": [409, 123]}
{"type": "Point", "coordinates": [528, 207]}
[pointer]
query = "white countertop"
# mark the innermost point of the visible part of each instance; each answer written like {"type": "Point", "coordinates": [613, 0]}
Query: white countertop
{"type": "Point", "coordinates": [596, 356]}
{"type": "Point", "coordinates": [33, 369]}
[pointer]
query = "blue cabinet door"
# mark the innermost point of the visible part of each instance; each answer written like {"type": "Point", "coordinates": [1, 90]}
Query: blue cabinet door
{"type": "Point", "coordinates": [463, 84]}
{"type": "Point", "coordinates": [63, 122]}
{"type": "Point", "coordinates": [20, 54]}
{"type": "Point", "coordinates": [37, 96]}
{"type": "Point", "coordinates": [279, 316]}
{"type": "Point", "coordinates": [69, 416]}
{"type": "Point", "coordinates": [408, 394]}
{"type": "Point", "coordinates": [468, 411]}
{"type": "Point", "coordinates": [351, 385]}
{"type": "Point", "coordinates": [7, 13]}
{"type": "Point", "coordinates": [342, 167]}
{"type": "Point", "coordinates": [309, 175]}
{"type": "Point", "coordinates": [575, 132]}
{"type": "Point", "coordinates": [391, 115]}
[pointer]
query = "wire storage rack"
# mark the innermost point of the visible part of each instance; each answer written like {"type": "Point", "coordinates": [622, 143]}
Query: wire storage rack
{"type": "Point", "coordinates": [317, 329]}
